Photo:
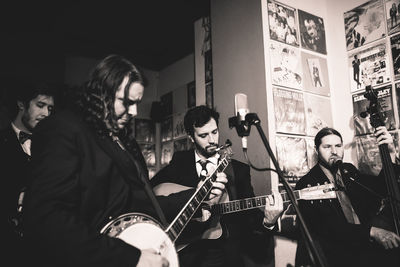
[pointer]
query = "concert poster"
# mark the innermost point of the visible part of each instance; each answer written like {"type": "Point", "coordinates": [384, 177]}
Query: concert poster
{"type": "Point", "coordinates": [166, 129]}
{"type": "Point", "coordinates": [395, 46]}
{"type": "Point", "coordinates": [364, 24]}
{"type": "Point", "coordinates": [191, 94]}
{"type": "Point", "coordinates": [282, 21]}
{"type": "Point", "coordinates": [166, 100]}
{"type": "Point", "coordinates": [361, 116]}
{"type": "Point", "coordinates": [149, 153]}
{"type": "Point", "coordinates": [392, 16]}
{"type": "Point", "coordinates": [318, 113]}
{"type": "Point", "coordinates": [167, 150]}
{"type": "Point", "coordinates": [369, 67]}
{"type": "Point", "coordinates": [178, 127]}
{"type": "Point", "coordinates": [144, 130]}
{"type": "Point", "coordinates": [285, 65]}
{"type": "Point", "coordinates": [289, 111]}
{"type": "Point", "coordinates": [315, 74]}
{"type": "Point", "coordinates": [312, 32]}
{"type": "Point", "coordinates": [292, 157]}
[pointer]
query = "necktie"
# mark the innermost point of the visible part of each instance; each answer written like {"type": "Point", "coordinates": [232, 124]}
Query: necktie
{"type": "Point", "coordinates": [23, 136]}
{"type": "Point", "coordinates": [344, 201]}
{"type": "Point", "coordinates": [203, 172]}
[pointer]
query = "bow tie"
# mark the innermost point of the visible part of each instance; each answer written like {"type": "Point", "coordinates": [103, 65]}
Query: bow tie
{"type": "Point", "coordinates": [23, 136]}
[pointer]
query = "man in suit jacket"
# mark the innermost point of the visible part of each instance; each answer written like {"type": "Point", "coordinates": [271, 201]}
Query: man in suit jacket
{"type": "Point", "coordinates": [85, 174]}
{"type": "Point", "coordinates": [243, 231]}
{"type": "Point", "coordinates": [32, 104]}
{"type": "Point", "coordinates": [346, 228]}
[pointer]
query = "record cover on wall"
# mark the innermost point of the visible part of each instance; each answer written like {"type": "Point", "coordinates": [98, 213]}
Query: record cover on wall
{"type": "Point", "coordinates": [144, 130]}
{"type": "Point", "coordinates": [285, 65]}
{"type": "Point", "coordinates": [178, 127]}
{"type": "Point", "coordinates": [312, 32]}
{"type": "Point", "coordinates": [364, 24]}
{"type": "Point", "coordinates": [166, 129]}
{"type": "Point", "coordinates": [368, 155]}
{"type": "Point", "coordinates": [362, 124]}
{"type": "Point", "coordinates": [282, 22]}
{"type": "Point", "coordinates": [369, 66]}
{"type": "Point", "coordinates": [315, 74]}
{"type": "Point", "coordinates": [292, 157]}
{"type": "Point", "coordinates": [312, 157]}
{"type": "Point", "coordinates": [395, 47]}
{"type": "Point", "coordinates": [289, 111]}
{"type": "Point", "coordinates": [191, 94]}
{"type": "Point", "coordinates": [392, 8]}
{"type": "Point", "coordinates": [318, 113]}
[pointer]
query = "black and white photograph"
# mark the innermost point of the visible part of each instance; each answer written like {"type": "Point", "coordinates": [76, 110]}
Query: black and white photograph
{"type": "Point", "coordinates": [312, 32]}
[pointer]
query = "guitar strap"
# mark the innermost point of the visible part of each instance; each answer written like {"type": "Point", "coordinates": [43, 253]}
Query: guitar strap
{"type": "Point", "coordinates": [111, 149]}
{"type": "Point", "coordinates": [231, 181]}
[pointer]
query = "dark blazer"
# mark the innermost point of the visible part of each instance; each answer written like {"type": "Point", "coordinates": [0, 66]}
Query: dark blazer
{"type": "Point", "coordinates": [243, 231]}
{"type": "Point", "coordinates": [343, 244]}
{"type": "Point", "coordinates": [14, 173]}
{"type": "Point", "coordinates": [80, 182]}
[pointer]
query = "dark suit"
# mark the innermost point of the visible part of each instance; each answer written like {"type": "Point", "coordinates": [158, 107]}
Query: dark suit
{"type": "Point", "coordinates": [80, 182]}
{"type": "Point", "coordinates": [14, 163]}
{"type": "Point", "coordinates": [343, 244]}
{"type": "Point", "coordinates": [243, 231]}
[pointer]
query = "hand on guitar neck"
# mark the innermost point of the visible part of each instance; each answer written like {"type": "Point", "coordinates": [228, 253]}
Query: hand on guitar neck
{"type": "Point", "coordinates": [273, 208]}
{"type": "Point", "coordinates": [217, 189]}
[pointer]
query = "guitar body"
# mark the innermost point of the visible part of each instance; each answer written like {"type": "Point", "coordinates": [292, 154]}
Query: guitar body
{"type": "Point", "coordinates": [143, 232]}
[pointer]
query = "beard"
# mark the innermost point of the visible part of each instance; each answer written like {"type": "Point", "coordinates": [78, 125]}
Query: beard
{"type": "Point", "coordinates": [206, 152]}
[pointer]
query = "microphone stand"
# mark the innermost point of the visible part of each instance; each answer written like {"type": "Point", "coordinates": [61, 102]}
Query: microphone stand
{"type": "Point", "coordinates": [243, 129]}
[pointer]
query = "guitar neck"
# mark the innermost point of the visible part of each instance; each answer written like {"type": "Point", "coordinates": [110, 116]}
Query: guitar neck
{"type": "Point", "coordinates": [247, 203]}
{"type": "Point", "coordinates": [187, 212]}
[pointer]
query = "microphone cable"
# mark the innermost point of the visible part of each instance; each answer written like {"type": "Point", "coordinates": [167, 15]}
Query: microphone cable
{"type": "Point", "coordinates": [254, 167]}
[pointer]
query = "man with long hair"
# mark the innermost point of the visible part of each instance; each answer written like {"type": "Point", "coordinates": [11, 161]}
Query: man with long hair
{"type": "Point", "coordinates": [86, 173]}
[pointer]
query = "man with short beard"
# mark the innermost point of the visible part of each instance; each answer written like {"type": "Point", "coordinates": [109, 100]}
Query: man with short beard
{"type": "Point", "coordinates": [347, 228]}
{"type": "Point", "coordinates": [245, 234]}
{"type": "Point", "coordinates": [33, 103]}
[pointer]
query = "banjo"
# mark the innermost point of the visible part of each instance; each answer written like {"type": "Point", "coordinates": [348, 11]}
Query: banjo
{"type": "Point", "coordinates": [145, 232]}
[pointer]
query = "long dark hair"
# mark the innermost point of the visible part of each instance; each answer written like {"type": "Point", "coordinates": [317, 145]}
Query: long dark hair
{"type": "Point", "coordinates": [98, 95]}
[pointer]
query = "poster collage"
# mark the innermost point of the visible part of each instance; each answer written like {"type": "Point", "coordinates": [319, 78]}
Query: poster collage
{"type": "Point", "coordinates": [373, 46]}
{"type": "Point", "coordinates": [173, 135]}
{"type": "Point", "coordinates": [301, 93]}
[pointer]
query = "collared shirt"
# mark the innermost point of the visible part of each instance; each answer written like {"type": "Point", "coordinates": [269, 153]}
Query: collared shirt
{"type": "Point", "coordinates": [26, 146]}
{"type": "Point", "coordinates": [211, 165]}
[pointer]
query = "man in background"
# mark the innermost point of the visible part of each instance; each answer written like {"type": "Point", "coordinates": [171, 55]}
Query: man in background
{"type": "Point", "coordinates": [245, 234]}
{"type": "Point", "coordinates": [32, 103]}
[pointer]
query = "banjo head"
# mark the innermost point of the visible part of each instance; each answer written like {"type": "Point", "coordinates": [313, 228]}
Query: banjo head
{"type": "Point", "coordinates": [143, 232]}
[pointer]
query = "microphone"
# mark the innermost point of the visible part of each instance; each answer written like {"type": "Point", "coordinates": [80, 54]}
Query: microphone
{"type": "Point", "coordinates": [241, 110]}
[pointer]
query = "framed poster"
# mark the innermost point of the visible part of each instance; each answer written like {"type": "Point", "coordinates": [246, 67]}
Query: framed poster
{"type": "Point", "coordinates": [364, 24]}
{"type": "Point", "coordinates": [392, 8]}
{"type": "Point", "coordinates": [315, 74]}
{"type": "Point", "coordinates": [312, 32]}
{"type": "Point", "coordinates": [289, 111]}
{"type": "Point", "coordinates": [318, 113]}
{"type": "Point", "coordinates": [395, 47]}
{"type": "Point", "coordinates": [285, 65]}
{"type": "Point", "coordinates": [369, 66]}
{"type": "Point", "coordinates": [282, 22]}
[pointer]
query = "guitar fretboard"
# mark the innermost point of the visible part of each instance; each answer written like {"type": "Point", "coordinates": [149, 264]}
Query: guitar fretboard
{"type": "Point", "coordinates": [247, 204]}
{"type": "Point", "coordinates": [187, 212]}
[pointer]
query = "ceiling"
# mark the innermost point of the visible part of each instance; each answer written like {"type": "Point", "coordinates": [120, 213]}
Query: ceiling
{"type": "Point", "coordinates": [152, 33]}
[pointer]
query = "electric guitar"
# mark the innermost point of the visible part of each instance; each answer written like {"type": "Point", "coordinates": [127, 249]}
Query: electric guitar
{"type": "Point", "coordinates": [325, 191]}
{"type": "Point", "coordinates": [145, 232]}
